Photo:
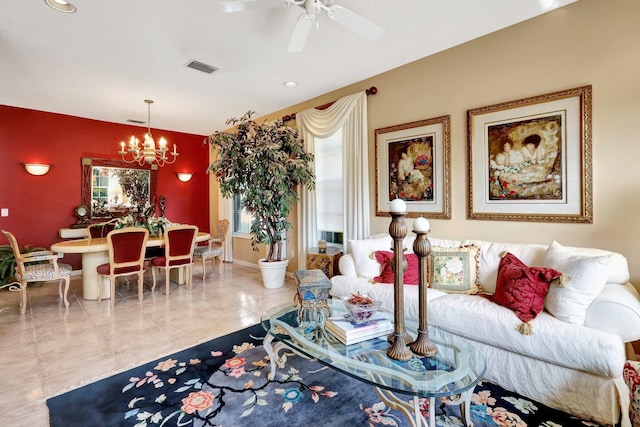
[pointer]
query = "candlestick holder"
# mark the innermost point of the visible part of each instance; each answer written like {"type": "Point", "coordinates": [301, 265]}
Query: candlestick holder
{"type": "Point", "coordinates": [399, 338]}
{"type": "Point", "coordinates": [422, 346]}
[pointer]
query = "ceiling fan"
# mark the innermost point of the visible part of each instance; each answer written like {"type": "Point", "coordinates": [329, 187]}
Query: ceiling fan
{"type": "Point", "coordinates": [313, 8]}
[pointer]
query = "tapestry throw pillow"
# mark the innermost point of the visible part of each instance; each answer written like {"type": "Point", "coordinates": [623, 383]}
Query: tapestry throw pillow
{"type": "Point", "coordinates": [522, 289]}
{"type": "Point", "coordinates": [583, 279]}
{"type": "Point", "coordinates": [385, 258]}
{"type": "Point", "coordinates": [454, 270]}
{"type": "Point", "coordinates": [363, 252]}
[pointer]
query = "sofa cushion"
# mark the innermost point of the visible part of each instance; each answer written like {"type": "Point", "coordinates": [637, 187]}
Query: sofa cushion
{"type": "Point", "coordinates": [454, 270]}
{"type": "Point", "coordinates": [554, 341]}
{"type": "Point", "coordinates": [585, 278]}
{"type": "Point", "coordinates": [385, 259]}
{"type": "Point", "coordinates": [522, 288]}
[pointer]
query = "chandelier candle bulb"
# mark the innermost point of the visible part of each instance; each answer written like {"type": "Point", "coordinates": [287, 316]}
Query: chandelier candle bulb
{"type": "Point", "coordinates": [421, 225]}
{"type": "Point", "coordinates": [398, 206]}
{"type": "Point", "coordinates": [148, 152]}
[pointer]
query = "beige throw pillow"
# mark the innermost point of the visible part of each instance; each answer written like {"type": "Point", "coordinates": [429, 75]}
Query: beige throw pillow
{"type": "Point", "coordinates": [454, 270]}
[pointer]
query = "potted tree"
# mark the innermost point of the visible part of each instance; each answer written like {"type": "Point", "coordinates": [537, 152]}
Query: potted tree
{"type": "Point", "coordinates": [264, 163]}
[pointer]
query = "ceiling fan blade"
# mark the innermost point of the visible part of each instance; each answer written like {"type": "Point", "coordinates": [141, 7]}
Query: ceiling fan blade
{"type": "Point", "coordinates": [355, 22]}
{"type": "Point", "coordinates": [300, 32]}
{"type": "Point", "coordinates": [242, 5]}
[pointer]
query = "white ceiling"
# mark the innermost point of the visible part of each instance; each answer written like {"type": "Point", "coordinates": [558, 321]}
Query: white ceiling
{"type": "Point", "coordinates": [102, 61]}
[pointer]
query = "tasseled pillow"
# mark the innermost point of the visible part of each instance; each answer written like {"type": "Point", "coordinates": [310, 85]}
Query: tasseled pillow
{"type": "Point", "coordinates": [522, 289]}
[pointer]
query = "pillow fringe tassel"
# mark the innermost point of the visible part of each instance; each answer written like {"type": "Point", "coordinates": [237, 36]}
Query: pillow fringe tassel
{"type": "Point", "coordinates": [564, 280]}
{"type": "Point", "coordinates": [525, 328]}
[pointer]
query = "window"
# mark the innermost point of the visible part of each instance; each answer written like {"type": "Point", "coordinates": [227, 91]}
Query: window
{"type": "Point", "coordinates": [241, 218]}
{"type": "Point", "coordinates": [329, 201]}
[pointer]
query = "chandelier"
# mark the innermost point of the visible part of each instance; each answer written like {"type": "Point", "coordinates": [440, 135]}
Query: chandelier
{"type": "Point", "coordinates": [148, 152]}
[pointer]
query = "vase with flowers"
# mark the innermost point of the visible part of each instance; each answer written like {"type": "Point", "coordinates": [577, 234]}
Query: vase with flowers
{"type": "Point", "coordinates": [146, 218]}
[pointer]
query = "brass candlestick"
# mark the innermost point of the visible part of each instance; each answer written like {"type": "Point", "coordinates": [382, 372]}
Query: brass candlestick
{"type": "Point", "coordinates": [422, 346]}
{"type": "Point", "coordinates": [399, 339]}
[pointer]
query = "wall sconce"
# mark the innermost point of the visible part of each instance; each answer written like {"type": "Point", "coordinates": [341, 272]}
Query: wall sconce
{"type": "Point", "coordinates": [185, 176]}
{"type": "Point", "coordinates": [36, 168]}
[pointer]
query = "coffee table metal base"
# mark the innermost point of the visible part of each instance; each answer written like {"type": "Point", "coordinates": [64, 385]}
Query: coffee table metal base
{"type": "Point", "coordinates": [273, 350]}
{"type": "Point", "coordinates": [411, 412]}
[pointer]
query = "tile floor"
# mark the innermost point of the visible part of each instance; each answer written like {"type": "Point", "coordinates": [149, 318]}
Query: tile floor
{"type": "Point", "coordinates": [51, 349]}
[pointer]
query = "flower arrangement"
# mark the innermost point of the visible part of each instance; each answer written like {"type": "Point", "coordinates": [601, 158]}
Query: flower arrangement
{"type": "Point", "coordinates": [145, 218]}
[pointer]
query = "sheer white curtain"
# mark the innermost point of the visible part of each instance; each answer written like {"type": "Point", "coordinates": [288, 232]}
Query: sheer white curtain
{"type": "Point", "coordinates": [350, 115]}
{"type": "Point", "coordinates": [225, 211]}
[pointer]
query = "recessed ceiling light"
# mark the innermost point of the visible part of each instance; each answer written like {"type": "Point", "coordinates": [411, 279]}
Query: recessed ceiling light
{"type": "Point", "coordinates": [290, 84]}
{"type": "Point", "coordinates": [61, 6]}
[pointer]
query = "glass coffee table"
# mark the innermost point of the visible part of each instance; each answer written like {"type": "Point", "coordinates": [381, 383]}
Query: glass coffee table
{"type": "Point", "coordinates": [452, 373]}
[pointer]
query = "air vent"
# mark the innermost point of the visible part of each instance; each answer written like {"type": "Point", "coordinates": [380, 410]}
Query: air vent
{"type": "Point", "coordinates": [201, 66]}
{"type": "Point", "coordinates": [138, 122]}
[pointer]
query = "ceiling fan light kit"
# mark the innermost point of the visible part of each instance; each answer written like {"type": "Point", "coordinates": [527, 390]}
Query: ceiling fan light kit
{"type": "Point", "coordinates": [343, 16]}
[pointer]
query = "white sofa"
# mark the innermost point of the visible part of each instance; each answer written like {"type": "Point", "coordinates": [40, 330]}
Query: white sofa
{"type": "Point", "coordinates": [574, 367]}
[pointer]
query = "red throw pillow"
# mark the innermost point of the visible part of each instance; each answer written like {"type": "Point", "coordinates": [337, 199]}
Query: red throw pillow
{"type": "Point", "coordinates": [521, 288]}
{"type": "Point", "coordinates": [386, 275]}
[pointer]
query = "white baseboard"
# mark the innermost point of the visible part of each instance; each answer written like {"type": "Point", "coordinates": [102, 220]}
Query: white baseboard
{"type": "Point", "coordinates": [256, 266]}
{"type": "Point", "coordinates": [246, 264]}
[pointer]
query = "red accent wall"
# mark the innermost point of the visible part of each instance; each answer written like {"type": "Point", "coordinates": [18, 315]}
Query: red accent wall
{"type": "Point", "coordinates": [40, 205]}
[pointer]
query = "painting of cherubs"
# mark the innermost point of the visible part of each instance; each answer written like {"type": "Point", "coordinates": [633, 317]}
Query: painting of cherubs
{"type": "Point", "coordinates": [526, 159]}
{"type": "Point", "coordinates": [411, 169]}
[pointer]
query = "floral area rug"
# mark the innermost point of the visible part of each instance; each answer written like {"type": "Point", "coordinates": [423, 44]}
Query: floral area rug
{"type": "Point", "coordinates": [225, 382]}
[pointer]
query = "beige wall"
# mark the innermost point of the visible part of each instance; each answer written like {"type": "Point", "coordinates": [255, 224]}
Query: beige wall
{"type": "Point", "coordinates": [589, 42]}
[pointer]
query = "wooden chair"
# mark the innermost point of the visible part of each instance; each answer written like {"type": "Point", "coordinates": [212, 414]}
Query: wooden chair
{"type": "Point", "coordinates": [40, 272]}
{"type": "Point", "coordinates": [101, 229]}
{"type": "Point", "coordinates": [214, 247]}
{"type": "Point", "coordinates": [126, 258]}
{"type": "Point", "coordinates": [179, 243]}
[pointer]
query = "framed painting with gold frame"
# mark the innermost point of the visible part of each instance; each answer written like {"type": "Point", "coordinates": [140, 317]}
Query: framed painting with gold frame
{"type": "Point", "coordinates": [530, 159]}
{"type": "Point", "coordinates": [413, 164]}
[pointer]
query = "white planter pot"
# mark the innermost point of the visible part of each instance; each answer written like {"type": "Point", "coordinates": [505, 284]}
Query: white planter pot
{"type": "Point", "coordinates": [273, 273]}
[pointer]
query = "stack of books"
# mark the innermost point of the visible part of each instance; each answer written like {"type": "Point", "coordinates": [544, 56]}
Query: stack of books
{"type": "Point", "coordinates": [351, 333]}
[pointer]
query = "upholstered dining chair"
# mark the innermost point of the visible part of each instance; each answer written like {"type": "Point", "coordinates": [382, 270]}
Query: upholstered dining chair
{"type": "Point", "coordinates": [126, 258]}
{"type": "Point", "coordinates": [101, 229]}
{"type": "Point", "coordinates": [47, 269]}
{"type": "Point", "coordinates": [179, 242]}
{"type": "Point", "coordinates": [215, 246]}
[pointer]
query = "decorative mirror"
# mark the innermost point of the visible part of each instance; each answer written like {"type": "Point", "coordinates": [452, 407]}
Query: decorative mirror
{"type": "Point", "coordinates": [110, 188]}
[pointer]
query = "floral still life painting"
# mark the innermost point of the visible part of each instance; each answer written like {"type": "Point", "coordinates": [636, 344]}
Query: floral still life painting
{"type": "Point", "coordinates": [226, 382]}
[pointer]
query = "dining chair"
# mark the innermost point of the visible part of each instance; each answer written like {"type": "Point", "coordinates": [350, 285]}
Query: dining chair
{"type": "Point", "coordinates": [126, 258]}
{"type": "Point", "coordinates": [179, 242]}
{"type": "Point", "coordinates": [214, 249]}
{"type": "Point", "coordinates": [101, 229]}
{"type": "Point", "coordinates": [46, 269]}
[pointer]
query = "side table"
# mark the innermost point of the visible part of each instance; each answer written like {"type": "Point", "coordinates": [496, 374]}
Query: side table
{"type": "Point", "coordinates": [312, 296]}
{"type": "Point", "coordinates": [327, 262]}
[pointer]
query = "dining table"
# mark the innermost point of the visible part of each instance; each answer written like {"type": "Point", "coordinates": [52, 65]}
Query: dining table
{"type": "Point", "coordinates": [95, 251]}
